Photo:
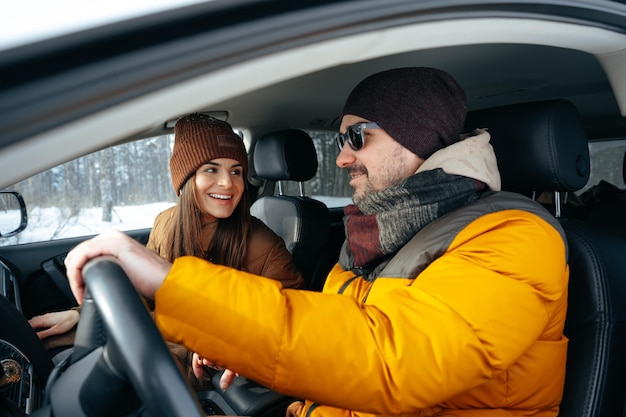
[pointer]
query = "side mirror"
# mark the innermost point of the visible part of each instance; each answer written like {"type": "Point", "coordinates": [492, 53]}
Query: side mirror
{"type": "Point", "coordinates": [13, 216]}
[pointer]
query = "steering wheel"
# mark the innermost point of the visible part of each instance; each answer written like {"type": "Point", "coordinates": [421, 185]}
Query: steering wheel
{"type": "Point", "coordinates": [120, 362]}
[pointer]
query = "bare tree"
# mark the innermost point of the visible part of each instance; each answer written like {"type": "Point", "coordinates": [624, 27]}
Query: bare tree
{"type": "Point", "coordinates": [106, 184]}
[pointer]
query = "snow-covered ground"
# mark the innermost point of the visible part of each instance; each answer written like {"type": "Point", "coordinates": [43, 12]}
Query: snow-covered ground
{"type": "Point", "coordinates": [54, 223]}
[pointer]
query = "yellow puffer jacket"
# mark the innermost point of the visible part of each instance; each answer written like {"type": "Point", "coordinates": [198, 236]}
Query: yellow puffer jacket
{"type": "Point", "coordinates": [470, 323]}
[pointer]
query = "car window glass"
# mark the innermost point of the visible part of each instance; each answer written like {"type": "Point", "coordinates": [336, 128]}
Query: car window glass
{"type": "Point", "coordinates": [607, 158]}
{"type": "Point", "coordinates": [122, 187]}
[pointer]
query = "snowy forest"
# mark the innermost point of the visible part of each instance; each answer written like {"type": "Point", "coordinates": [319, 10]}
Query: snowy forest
{"type": "Point", "coordinates": [131, 174]}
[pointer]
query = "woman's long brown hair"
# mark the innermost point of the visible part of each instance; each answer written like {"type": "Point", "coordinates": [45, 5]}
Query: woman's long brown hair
{"type": "Point", "coordinates": [230, 242]}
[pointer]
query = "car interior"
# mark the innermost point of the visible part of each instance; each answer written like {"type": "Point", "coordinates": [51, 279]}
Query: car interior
{"type": "Point", "coordinates": [546, 81]}
{"type": "Point", "coordinates": [543, 148]}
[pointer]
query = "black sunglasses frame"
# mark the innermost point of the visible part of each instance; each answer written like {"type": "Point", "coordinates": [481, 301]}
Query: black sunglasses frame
{"type": "Point", "coordinates": [354, 135]}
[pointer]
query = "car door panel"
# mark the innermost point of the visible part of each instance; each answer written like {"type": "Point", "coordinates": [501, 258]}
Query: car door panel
{"type": "Point", "coordinates": [40, 273]}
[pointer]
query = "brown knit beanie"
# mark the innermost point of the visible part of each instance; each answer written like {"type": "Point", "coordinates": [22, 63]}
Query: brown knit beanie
{"type": "Point", "coordinates": [422, 108]}
{"type": "Point", "coordinates": [198, 139]}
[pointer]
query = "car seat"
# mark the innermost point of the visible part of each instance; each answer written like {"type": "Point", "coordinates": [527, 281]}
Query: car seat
{"type": "Point", "coordinates": [302, 222]}
{"type": "Point", "coordinates": [542, 147]}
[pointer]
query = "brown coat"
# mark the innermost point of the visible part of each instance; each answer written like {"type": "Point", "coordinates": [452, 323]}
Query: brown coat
{"type": "Point", "coordinates": [267, 256]}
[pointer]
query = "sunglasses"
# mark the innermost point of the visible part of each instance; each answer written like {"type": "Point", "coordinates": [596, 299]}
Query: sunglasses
{"type": "Point", "coordinates": [354, 135]}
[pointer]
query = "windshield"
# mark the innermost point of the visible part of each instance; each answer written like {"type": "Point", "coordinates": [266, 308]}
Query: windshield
{"type": "Point", "coordinates": [35, 20]}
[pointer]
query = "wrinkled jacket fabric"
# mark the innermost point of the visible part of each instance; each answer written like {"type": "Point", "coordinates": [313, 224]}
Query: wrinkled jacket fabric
{"type": "Point", "coordinates": [476, 329]}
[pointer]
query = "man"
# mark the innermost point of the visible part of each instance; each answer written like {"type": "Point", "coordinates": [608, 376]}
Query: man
{"type": "Point", "coordinates": [449, 297]}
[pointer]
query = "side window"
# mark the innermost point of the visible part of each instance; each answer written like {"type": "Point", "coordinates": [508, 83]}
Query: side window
{"type": "Point", "coordinates": [607, 160]}
{"type": "Point", "coordinates": [122, 187]}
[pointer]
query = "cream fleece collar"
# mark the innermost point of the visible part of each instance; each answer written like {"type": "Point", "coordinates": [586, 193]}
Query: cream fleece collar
{"type": "Point", "coordinates": [471, 157]}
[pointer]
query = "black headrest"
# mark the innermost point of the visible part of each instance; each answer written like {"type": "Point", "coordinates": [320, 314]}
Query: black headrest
{"type": "Point", "coordinates": [285, 155]}
{"type": "Point", "coordinates": [540, 146]}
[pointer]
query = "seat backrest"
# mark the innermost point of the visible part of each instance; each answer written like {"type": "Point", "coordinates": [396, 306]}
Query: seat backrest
{"type": "Point", "coordinates": [542, 147]}
{"type": "Point", "coordinates": [302, 222]}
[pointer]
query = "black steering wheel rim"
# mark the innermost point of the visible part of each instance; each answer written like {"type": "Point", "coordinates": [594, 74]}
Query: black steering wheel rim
{"type": "Point", "coordinates": [133, 347]}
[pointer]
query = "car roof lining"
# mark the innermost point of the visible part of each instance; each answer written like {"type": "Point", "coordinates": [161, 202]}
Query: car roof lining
{"type": "Point", "coordinates": [146, 115]}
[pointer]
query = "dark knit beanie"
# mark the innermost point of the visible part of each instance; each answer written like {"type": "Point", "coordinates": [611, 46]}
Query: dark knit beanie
{"type": "Point", "coordinates": [198, 139]}
{"type": "Point", "coordinates": [422, 108]}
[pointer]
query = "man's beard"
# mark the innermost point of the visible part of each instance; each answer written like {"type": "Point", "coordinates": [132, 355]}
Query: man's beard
{"type": "Point", "coordinates": [362, 194]}
{"type": "Point", "coordinates": [357, 195]}
{"type": "Point", "coordinates": [368, 188]}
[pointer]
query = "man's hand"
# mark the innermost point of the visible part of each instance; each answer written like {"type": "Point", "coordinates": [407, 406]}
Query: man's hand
{"type": "Point", "coordinates": [145, 269]}
{"type": "Point", "coordinates": [53, 324]}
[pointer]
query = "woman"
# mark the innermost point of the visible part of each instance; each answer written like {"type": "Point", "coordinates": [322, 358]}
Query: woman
{"type": "Point", "coordinates": [211, 220]}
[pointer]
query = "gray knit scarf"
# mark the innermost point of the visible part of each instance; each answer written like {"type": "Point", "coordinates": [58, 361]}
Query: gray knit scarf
{"type": "Point", "coordinates": [386, 220]}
